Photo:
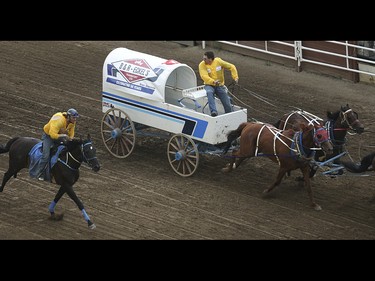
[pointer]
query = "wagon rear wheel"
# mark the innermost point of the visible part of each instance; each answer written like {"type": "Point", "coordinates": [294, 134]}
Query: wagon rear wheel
{"type": "Point", "coordinates": [183, 155]}
{"type": "Point", "coordinates": [118, 133]}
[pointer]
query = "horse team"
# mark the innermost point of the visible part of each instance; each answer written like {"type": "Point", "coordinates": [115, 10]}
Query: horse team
{"type": "Point", "coordinates": [296, 141]}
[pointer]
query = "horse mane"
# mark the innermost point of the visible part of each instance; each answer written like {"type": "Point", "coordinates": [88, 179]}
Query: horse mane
{"type": "Point", "coordinates": [334, 115]}
{"type": "Point", "coordinates": [77, 141]}
{"type": "Point", "coordinates": [72, 144]}
{"type": "Point", "coordinates": [277, 124]}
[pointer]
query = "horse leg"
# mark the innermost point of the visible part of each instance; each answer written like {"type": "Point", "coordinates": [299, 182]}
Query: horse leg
{"type": "Point", "coordinates": [238, 162]}
{"type": "Point", "coordinates": [69, 190]}
{"type": "Point", "coordinates": [229, 167]}
{"type": "Point", "coordinates": [306, 175]}
{"type": "Point", "coordinates": [51, 207]}
{"type": "Point", "coordinates": [280, 175]}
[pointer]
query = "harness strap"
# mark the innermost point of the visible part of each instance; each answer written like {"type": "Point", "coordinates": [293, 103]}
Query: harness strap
{"type": "Point", "coordinates": [258, 137]}
{"type": "Point", "coordinates": [309, 115]}
{"type": "Point", "coordinates": [71, 157]}
{"type": "Point", "coordinates": [330, 125]}
{"type": "Point", "coordinates": [272, 130]}
{"type": "Point", "coordinates": [66, 164]}
{"type": "Point", "coordinates": [276, 136]}
{"type": "Point", "coordinates": [276, 133]}
{"type": "Point", "coordinates": [287, 119]}
{"type": "Point", "coordinates": [298, 138]}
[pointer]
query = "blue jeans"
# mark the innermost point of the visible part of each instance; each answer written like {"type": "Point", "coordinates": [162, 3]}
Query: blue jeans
{"type": "Point", "coordinates": [47, 145]}
{"type": "Point", "coordinates": [221, 92]}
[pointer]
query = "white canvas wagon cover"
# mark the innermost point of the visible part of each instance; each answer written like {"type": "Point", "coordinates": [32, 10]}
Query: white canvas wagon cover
{"type": "Point", "coordinates": [144, 75]}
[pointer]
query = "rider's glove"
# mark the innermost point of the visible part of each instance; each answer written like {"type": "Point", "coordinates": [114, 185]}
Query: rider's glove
{"type": "Point", "coordinates": [63, 139]}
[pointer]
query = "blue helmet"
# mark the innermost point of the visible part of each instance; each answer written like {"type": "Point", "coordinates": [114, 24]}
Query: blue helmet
{"type": "Point", "coordinates": [72, 112]}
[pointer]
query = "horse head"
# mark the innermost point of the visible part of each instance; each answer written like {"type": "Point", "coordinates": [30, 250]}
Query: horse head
{"type": "Point", "coordinates": [350, 118]}
{"type": "Point", "coordinates": [320, 136]}
{"type": "Point", "coordinates": [87, 152]}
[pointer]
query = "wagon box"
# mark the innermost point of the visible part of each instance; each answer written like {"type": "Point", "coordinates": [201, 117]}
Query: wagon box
{"type": "Point", "coordinates": [142, 89]}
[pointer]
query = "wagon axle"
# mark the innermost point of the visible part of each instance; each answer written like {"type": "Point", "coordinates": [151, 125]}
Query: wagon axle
{"type": "Point", "coordinates": [116, 133]}
{"type": "Point", "coordinates": [180, 155]}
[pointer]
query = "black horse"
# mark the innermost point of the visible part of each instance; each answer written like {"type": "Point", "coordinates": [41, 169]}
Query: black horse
{"type": "Point", "coordinates": [65, 172]}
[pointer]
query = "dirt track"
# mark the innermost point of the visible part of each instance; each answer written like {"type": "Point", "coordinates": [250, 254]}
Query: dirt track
{"type": "Point", "coordinates": [141, 197]}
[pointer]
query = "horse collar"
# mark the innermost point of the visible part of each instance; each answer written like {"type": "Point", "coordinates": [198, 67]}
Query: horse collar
{"type": "Point", "coordinates": [330, 125]}
{"type": "Point", "coordinates": [297, 141]}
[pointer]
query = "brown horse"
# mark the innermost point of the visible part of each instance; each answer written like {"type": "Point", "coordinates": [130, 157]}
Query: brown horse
{"type": "Point", "coordinates": [338, 124]}
{"type": "Point", "coordinates": [290, 149]}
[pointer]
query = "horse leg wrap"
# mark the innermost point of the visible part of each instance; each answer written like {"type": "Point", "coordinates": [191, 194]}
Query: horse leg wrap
{"type": "Point", "coordinates": [85, 215]}
{"type": "Point", "coordinates": [51, 207]}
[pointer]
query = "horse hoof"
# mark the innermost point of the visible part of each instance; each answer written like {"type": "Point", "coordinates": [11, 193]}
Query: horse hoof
{"type": "Point", "coordinates": [56, 217]}
{"type": "Point", "coordinates": [299, 179]}
{"type": "Point", "coordinates": [317, 207]}
{"type": "Point", "coordinates": [92, 225]}
{"type": "Point", "coordinates": [226, 169]}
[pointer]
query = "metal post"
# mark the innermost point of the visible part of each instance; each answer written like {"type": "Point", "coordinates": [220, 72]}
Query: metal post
{"type": "Point", "coordinates": [298, 54]}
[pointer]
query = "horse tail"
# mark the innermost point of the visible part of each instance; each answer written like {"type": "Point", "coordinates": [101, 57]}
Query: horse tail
{"type": "Point", "coordinates": [6, 148]}
{"type": "Point", "coordinates": [233, 135]}
{"type": "Point", "coordinates": [366, 162]}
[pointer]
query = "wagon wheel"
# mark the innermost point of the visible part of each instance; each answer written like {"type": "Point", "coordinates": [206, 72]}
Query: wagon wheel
{"type": "Point", "coordinates": [183, 155]}
{"type": "Point", "coordinates": [118, 133]}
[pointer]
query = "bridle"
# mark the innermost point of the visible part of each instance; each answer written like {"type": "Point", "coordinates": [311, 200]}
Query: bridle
{"type": "Point", "coordinates": [345, 120]}
{"type": "Point", "coordinates": [69, 155]}
{"type": "Point", "coordinates": [87, 160]}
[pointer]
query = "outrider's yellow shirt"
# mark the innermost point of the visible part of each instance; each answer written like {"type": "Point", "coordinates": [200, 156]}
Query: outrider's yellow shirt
{"type": "Point", "coordinates": [215, 71]}
{"type": "Point", "coordinates": [58, 124]}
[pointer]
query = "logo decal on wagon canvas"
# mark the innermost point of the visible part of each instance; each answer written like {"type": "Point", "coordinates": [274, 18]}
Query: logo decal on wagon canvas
{"type": "Point", "coordinates": [134, 70]}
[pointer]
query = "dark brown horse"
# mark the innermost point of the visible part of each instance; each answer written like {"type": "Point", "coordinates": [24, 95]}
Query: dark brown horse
{"type": "Point", "coordinates": [289, 148]}
{"type": "Point", "coordinates": [338, 124]}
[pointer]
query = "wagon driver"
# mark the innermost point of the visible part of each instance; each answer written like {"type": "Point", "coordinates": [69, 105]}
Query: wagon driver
{"type": "Point", "coordinates": [211, 70]}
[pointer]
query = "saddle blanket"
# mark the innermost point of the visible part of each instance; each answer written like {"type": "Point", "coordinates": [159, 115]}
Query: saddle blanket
{"type": "Point", "coordinates": [35, 155]}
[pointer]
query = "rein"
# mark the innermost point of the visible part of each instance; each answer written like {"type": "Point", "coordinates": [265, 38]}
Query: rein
{"type": "Point", "coordinates": [68, 153]}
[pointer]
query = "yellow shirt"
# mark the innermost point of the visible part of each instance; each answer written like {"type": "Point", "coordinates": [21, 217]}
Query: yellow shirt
{"type": "Point", "coordinates": [215, 71]}
{"type": "Point", "coordinates": [57, 126]}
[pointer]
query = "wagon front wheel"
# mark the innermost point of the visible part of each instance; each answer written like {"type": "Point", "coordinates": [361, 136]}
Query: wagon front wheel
{"type": "Point", "coordinates": [183, 155]}
{"type": "Point", "coordinates": [118, 133]}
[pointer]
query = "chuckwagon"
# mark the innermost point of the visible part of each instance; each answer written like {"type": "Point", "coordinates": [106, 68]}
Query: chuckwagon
{"type": "Point", "coordinates": [145, 91]}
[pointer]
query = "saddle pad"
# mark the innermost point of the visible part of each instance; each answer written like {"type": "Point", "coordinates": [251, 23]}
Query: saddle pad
{"type": "Point", "coordinates": [35, 155]}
